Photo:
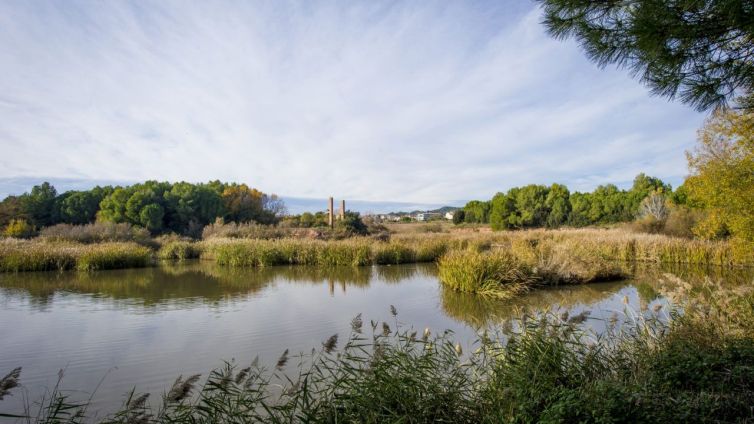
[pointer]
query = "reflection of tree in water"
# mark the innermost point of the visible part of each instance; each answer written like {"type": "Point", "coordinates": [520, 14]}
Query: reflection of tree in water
{"type": "Point", "coordinates": [198, 283]}
{"type": "Point", "coordinates": [399, 273]}
{"type": "Point", "coordinates": [479, 311]}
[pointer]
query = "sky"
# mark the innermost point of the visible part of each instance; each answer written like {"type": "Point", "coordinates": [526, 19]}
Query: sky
{"type": "Point", "coordinates": [424, 102]}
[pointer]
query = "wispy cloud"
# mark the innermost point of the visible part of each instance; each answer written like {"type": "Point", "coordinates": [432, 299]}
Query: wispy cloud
{"type": "Point", "coordinates": [411, 101]}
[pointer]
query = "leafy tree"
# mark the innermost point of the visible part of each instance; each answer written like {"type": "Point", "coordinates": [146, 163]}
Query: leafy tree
{"type": "Point", "coordinates": [192, 204]}
{"type": "Point", "coordinates": [458, 216]}
{"type": "Point", "coordinates": [243, 204]}
{"type": "Point", "coordinates": [11, 208]}
{"type": "Point", "coordinates": [476, 212]}
{"type": "Point", "coordinates": [150, 217]}
{"type": "Point", "coordinates": [701, 51]}
{"type": "Point", "coordinates": [503, 213]}
{"type": "Point", "coordinates": [113, 206]}
{"type": "Point", "coordinates": [722, 176]}
{"type": "Point", "coordinates": [581, 205]}
{"type": "Point", "coordinates": [78, 207]}
{"type": "Point", "coordinates": [559, 205]}
{"type": "Point", "coordinates": [39, 205]}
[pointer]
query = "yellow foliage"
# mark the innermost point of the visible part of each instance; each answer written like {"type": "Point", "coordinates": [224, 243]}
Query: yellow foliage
{"type": "Point", "coordinates": [722, 180]}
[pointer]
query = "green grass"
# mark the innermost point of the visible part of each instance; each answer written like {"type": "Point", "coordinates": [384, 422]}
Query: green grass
{"type": "Point", "coordinates": [179, 250]}
{"type": "Point", "coordinates": [18, 256]}
{"type": "Point", "coordinates": [660, 366]}
{"type": "Point", "coordinates": [499, 274]}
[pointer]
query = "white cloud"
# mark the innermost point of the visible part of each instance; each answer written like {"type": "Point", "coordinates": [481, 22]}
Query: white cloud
{"type": "Point", "coordinates": [414, 101]}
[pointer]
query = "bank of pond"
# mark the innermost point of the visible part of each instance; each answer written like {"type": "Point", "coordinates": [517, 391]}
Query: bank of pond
{"type": "Point", "coordinates": [494, 264]}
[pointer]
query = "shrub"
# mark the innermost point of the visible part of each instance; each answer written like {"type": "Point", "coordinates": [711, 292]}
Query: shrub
{"type": "Point", "coordinates": [98, 232]}
{"type": "Point", "coordinates": [19, 228]}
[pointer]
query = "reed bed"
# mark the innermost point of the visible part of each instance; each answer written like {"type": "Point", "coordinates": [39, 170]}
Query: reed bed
{"type": "Point", "coordinates": [654, 366]}
{"type": "Point", "coordinates": [25, 255]}
{"type": "Point", "coordinates": [358, 251]}
{"type": "Point", "coordinates": [179, 250]}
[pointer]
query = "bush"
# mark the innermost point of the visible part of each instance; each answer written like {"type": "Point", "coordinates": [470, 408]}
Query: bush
{"type": "Point", "coordinates": [19, 228]}
{"type": "Point", "coordinates": [98, 232]}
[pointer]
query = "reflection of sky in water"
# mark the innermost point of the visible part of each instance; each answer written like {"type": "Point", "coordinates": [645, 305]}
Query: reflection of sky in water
{"type": "Point", "coordinates": [144, 327]}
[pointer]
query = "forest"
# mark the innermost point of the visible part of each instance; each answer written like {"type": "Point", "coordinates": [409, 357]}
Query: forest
{"type": "Point", "coordinates": [160, 207]}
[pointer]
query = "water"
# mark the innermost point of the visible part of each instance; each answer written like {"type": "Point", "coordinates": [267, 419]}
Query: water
{"type": "Point", "coordinates": [141, 328]}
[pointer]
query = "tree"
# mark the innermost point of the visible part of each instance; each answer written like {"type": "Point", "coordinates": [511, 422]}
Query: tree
{"type": "Point", "coordinates": [722, 175]}
{"type": "Point", "coordinates": [559, 205]}
{"type": "Point", "coordinates": [458, 216]}
{"type": "Point", "coordinates": [11, 208]}
{"type": "Point", "coordinates": [700, 51]}
{"type": "Point", "coordinates": [476, 212]}
{"type": "Point", "coordinates": [150, 217]}
{"type": "Point", "coordinates": [78, 207]}
{"type": "Point", "coordinates": [113, 206]}
{"type": "Point", "coordinates": [655, 207]}
{"type": "Point", "coordinates": [39, 205]}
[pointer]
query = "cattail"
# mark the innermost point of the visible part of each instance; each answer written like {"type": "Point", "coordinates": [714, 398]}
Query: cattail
{"type": "Point", "coordinates": [385, 329]}
{"type": "Point", "coordinates": [393, 311]}
{"type": "Point", "coordinates": [9, 381]}
{"type": "Point", "coordinates": [357, 323]}
{"type": "Point", "coordinates": [182, 389]}
{"type": "Point", "coordinates": [242, 375]}
{"type": "Point", "coordinates": [282, 360]}
{"type": "Point", "coordinates": [578, 319]}
{"type": "Point", "coordinates": [331, 343]}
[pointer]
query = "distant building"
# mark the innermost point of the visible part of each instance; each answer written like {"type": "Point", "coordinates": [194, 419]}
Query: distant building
{"type": "Point", "coordinates": [449, 215]}
{"type": "Point", "coordinates": [391, 217]}
{"type": "Point", "coordinates": [426, 216]}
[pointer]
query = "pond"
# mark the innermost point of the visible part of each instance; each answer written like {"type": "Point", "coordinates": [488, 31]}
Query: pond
{"type": "Point", "coordinates": [141, 328]}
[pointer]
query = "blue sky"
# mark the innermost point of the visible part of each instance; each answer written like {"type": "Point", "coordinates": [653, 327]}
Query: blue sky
{"type": "Point", "coordinates": [428, 102]}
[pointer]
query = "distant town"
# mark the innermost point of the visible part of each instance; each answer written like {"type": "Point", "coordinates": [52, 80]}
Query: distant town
{"type": "Point", "coordinates": [443, 213]}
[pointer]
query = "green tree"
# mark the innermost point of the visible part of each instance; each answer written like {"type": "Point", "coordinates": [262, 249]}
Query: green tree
{"type": "Point", "coordinates": [113, 206]}
{"type": "Point", "coordinates": [39, 205]}
{"type": "Point", "coordinates": [458, 216]}
{"type": "Point", "coordinates": [78, 207]}
{"type": "Point", "coordinates": [476, 212]}
{"type": "Point", "coordinates": [581, 205]}
{"type": "Point", "coordinates": [150, 217]}
{"type": "Point", "coordinates": [700, 51]}
{"type": "Point", "coordinates": [558, 204]}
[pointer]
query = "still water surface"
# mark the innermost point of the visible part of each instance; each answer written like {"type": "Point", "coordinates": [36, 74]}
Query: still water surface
{"type": "Point", "coordinates": [143, 327]}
